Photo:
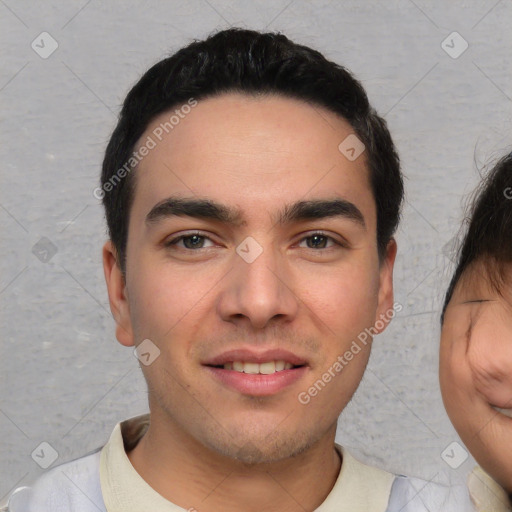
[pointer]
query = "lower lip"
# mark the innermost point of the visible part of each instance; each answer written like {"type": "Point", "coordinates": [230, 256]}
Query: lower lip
{"type": "Point", "coordinates": [258, 384]}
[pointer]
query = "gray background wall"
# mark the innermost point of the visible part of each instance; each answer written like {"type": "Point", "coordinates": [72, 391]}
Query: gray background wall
{"type": "Point", "coordinates": [65, 380]}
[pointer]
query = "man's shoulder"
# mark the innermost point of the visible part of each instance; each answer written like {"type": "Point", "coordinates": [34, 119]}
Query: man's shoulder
{"type": "Point", "coordinates": [71, 486]}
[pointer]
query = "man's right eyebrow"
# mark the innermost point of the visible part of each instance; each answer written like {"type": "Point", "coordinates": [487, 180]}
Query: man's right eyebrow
{"type": "Point", "coordinates": [198, 208]}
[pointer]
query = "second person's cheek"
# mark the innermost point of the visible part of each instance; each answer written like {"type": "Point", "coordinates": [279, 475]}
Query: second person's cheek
{"type": "Point", "coordinates": [491, 367]}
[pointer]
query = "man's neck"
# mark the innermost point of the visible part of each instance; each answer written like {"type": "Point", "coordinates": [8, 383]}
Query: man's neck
{"type": "Point", "coordinates": [200, 479]}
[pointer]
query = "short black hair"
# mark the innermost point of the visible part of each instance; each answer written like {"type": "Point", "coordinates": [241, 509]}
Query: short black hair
{"type": "Point", "coordinates": [488, 229]}
{"type": "Point", "coordinates": [254, 63]}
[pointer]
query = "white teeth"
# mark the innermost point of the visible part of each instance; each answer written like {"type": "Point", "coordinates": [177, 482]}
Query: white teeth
{"type": "Point", "coordinates": [267, 368]}
{"type": "Point", "coordinates": [506, 412]}
{"type": "Point", "coordinates": [238, 366]}
{"type": "Point", "coordinates": [251, 368]}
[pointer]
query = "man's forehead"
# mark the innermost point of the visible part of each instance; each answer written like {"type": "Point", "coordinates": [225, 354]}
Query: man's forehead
{"type": "Point", "coordinates": [237, 124]}
{"type": "Point", "coordinates": [186, 165]}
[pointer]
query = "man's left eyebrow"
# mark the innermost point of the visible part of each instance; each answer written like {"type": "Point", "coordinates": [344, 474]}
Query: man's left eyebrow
{"type": "Point", "coordinates": [321, 209]}
{"type": "Point", "coordinates": [211, 210]}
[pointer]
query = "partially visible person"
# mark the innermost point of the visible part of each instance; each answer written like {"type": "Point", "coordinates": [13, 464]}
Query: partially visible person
{"type": "Point", "coordinates": [476, 340]}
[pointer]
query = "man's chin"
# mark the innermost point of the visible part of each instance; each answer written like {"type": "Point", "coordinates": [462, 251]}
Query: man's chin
{"type": "Point", "coordinates": [267, 448]}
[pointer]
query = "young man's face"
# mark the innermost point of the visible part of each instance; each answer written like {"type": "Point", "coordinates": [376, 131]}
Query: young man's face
{"type": "Point", "coordinates": [212, 299]}
{"type": "Point", "coordinates": [476, 369]}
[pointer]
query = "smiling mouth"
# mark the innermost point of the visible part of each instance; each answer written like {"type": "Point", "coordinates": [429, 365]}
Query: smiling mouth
{"type": "Point", "coordinates": [506, 412]}
{"type": "Point", "coordinates": [265, 368]}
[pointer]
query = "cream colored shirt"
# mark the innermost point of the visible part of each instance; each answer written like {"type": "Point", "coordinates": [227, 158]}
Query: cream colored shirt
{"type": "Point", "coordinates": [358, 488]}
{"type": "Point", "coordinates": [487, 495]}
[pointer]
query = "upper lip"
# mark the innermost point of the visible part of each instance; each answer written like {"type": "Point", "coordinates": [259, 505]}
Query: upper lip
{"type": "Point", "coordinates": [251, 356]}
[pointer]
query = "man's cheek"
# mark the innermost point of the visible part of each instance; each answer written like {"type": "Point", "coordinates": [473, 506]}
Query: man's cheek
{"type": "Point", "coordinates": [335, 379]}
{"type": "Point", "coordinates": [162, 307]}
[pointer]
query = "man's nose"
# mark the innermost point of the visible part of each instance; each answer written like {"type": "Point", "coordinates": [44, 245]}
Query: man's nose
{"type": "Point", "coordinates": [259, 288]}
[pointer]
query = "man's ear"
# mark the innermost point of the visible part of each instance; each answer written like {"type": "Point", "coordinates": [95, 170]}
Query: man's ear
{"type": "Point", "coordinates": [386, 296]}
{"type": "Point", "coordinates": [116, 287]}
